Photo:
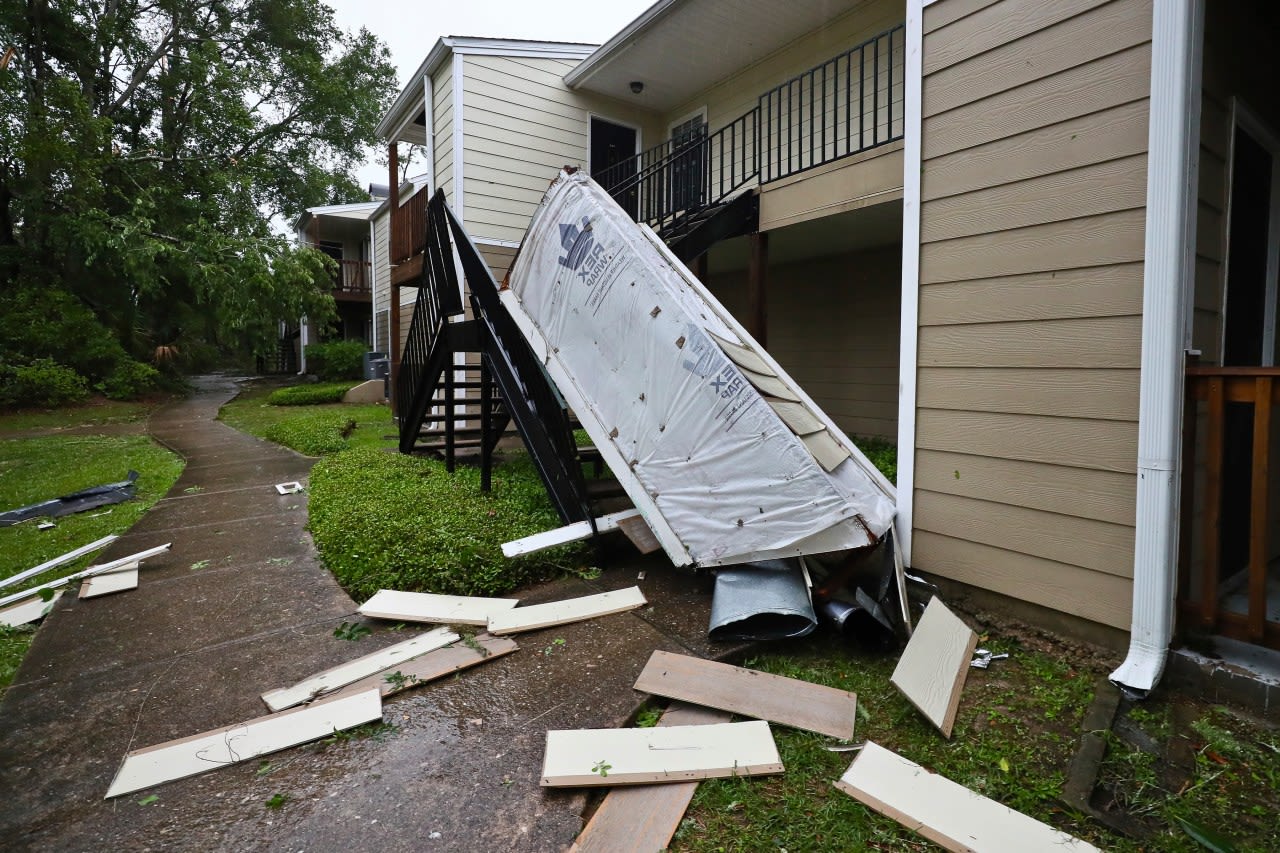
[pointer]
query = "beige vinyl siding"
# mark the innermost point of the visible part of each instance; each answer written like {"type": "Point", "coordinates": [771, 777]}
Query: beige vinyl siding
{"type": "Point", "coordinates": [521, 126]}
{"type": "Point", "coordinates": [833, 325]}
{"type": "Point", "coordinates": [442, 127]}
{"type": "Point", "coordinates": [382, 271]}
{"type": "Point", "coordinates": [1033, 187]}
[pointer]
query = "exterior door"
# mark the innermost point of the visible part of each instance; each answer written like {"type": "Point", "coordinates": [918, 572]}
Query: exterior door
{"type": "Point", "coordinates": [613, 161]}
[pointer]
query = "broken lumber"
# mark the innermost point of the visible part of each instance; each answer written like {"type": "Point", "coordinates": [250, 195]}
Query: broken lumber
{"type": "Point", "coordinates": [934, 664]}
{"type": "Point", "coordinates": [643, 818]}
{"type": "Point", "coordinates": [68, 557]}
{"type": "Point", "coordinates": [430, 607]}
{"type": "Point", "coordinates": [749, 693]}
{"type": "Point", "coordinates": [113, 566]}
{"type": "Point", "coordinates": [575, 532]}
{"type": "Point", "coordinates": [435, 665]}
{"type": "Point", "coordinates": [26, 612]}
{"type": "Point", "coordinates": [945, 812]}
{"type": "Point", "coordinates": [189, 756]}
{"type": "Point", "coordinates": [593, 757]}
{"type": "Point", "coordinates": [109, 582]}
{"type": "Point", "coordinates": [562, 612]}
{"type": "Point", "coordinates": [342, 675]}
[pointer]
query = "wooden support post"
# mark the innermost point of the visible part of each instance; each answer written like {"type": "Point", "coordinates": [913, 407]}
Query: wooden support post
{"type": "Point", "coordinates": [757, 283]}
{"type": "Point", "coordinates": [1212, 505]}
{"type": "Point", "coordinates": [1259, 508]}
{"type": "Point", "coordinates": [1190, 416]}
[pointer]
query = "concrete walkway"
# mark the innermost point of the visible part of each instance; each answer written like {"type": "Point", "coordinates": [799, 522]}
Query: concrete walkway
{"type": "Point", "coordinates": [241, 605]}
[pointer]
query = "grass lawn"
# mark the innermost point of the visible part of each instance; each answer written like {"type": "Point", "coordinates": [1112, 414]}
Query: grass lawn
{"type": "Point", "coordinates": [36, 469]}
{"type": "Point", "coordinates": [93, 413]}
{"type": "Point", "coordinates": [387, 521]}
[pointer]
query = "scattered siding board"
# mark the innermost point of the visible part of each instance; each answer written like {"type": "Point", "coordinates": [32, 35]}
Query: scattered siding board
{"type": "Point", "coordinates": [750, 693]}
{"type": "Point", "coordinates": [562, 612]}
{"type": "Point", "coordinates": [945, 812]}
{"type": "Point", "coordinates": [190, 756]}
{"type": "Point", "coordinates": [1096, 394]}
{"type": "Point", "coordinates": [61, 560]}
{"type": "Point", "coordinates": [659, 754]}
{"type": "Point", "coordinates": [1112, 238]}
{"type": "Point", "coordinates": [109, 583]}
{"type": "Point", "coordinates": [434, 665]}
{"type": "Point", "coordinates": [643, 818]}
{"type": "Point", "coordinates": [1095, 445]}
{"type": "Point", "coordinates": [1085, 191]}
{"type": "Point", "coordinates": [1085, 342]}
{"type": "Point", "coordinates": [996, 25]}
{"type": "Point", "coordinates": [1098, 32]}
{"type": "Point", "coordinates": [26, 612]}
{"type": "Point", "coordinates": [1099, 495]}
{"type": "Point", "coordinates": [1112, 291]}
{"type": "Point", "coordinates": [430, 607]}
{"type": "Point", "coordinates": [353, 670]}
{"type": "Point", "coordinates": [1119, 131]}
{"type": "Point", "coordinates": [1090, 595]}
{"type": "Point", "coordinates": [1065, 538]}
{"type": "Point", "coordinates": [1103, 83]}
{"type": "Point", "coordinates": [933, 666]}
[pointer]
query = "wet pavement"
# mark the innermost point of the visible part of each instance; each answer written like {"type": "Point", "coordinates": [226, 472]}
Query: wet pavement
{"type": "Point", "coordinates": [241, 605]}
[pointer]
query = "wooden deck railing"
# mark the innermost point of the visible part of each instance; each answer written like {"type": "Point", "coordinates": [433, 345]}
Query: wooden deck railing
{"type": "Point", "coordinates": [352, 277]}
{"type": "Point", "coordinates": [409, 227]}
{"type": "Point", "coordinates": [1212, 393]}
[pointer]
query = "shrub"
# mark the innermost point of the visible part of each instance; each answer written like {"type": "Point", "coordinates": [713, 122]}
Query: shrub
{"type": "Point", "coordinates": [43, 382]}
{"type": "Point", "coordinates": [313, 434]}
{"type": "Point", "coordinates": [309, 395]}
{"type": "Point", "coordinates": [883, 454]}
{"type": "Point", "coordinates": [387, 521]}
{"type": "Point", "coordinates": [129, 380]}
{"type": "Point", "coordinates": [336, 360]}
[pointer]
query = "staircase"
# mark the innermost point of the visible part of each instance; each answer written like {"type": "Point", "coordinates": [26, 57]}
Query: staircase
{"type": "Point", "coordinates": [463, 382]}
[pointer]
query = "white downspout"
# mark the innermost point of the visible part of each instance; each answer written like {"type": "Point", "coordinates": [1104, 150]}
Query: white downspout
{"type": "Point", "coordinates": [1173, 142]}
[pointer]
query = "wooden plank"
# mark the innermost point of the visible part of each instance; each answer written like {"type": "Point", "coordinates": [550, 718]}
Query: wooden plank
{"type": "Point", "coordinates": [938, 15]}
{"type": "Point", "coordinates": [434, 665]}
{"type": "Point", "coordinates": [770, 385]}
{"type": "Point", "coordinates": [643, 818]}
{"type": "Point", "coordinates": [1085, 191]}
{"type": "Point", "coordinates": [210, 750]}
{"type": "Point", "coordinates": [1112, 291]}
{"type": "Point", "coordinates": [828, 452]}
{"type": "Point", "coordinates": [1089, 88]}
{"type": "Point", "coordinates": [596, 757]}
{"type": "Point", "coordinates": [1102, 394]}
{"type": "Point", "coordinates": [562, 612]}
{"type": "Point", "coordinates": [743, 357]}
{"type": "Point", "coordinates": [1260, 486]}
{"type": "Point", "coordinates": [750, 693]}
{"type": "Point", "coordinates": [1095, 445]}
{"type": "Point", "coordinates": [575, 532]}
{"type": "Point", "coordinates": [1096, 33]}
{"type": "Point", "coordinates": [933, 666]}
{"type": "Point", "coordinates": [994, 26]}
{"type": "Point", "coordinates": [28, 611]}
{"type": "Point", "coordinates": [109, 582]}
{"type": "Point", "coordinates": [945, 812]}
{"type": "Point", "coordinates": [640, 534]}
{"type": "Point", "coordinates": [114, 565]}
{"type": "Point", "coordinates": [430, 607]}
{"type": "Point", "coordinates": [1098, 343]}
{"type": "Point", "coordinates": [796, 416]}
{"type": "Point", "coordinates": [361, 667]}
{"type": "Point", "coordinates": [70, 556]}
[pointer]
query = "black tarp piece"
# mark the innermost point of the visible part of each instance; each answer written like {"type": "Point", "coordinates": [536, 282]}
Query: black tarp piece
{"type": "Point", "coordinates": [110, 493]}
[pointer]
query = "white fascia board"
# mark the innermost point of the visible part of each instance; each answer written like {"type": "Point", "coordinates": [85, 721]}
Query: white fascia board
{"type": "Point", "coordinates": [1168, 271]}
{"type": "Point", "coordinates": [429, 129]}
{"type": "Point", "coordinates": [395, 119]}
{"type": "Point", "coordinates": [353, 207]}
{"type": "Point", "coordinates": [520, 48]}
{"type": "Point", "coordinates": [909, 324]}
{"type": "Point", "coordinates": [605, 54]}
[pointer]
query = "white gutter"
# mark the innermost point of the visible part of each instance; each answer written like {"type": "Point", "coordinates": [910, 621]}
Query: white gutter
{"type": "Point", "coordinates": [909, 324]}
{"type": "Point", "coordinates": [1173, 141]}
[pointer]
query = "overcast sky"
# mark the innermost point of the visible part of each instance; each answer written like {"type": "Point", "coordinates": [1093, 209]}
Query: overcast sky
{"type": "Point", "coordinates": [410, 28]}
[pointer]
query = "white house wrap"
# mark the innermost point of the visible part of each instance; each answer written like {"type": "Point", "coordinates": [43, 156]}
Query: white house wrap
{"type": "Point", "coordinates": [723, 454]}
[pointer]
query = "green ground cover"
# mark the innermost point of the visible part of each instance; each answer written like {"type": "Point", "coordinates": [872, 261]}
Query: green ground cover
{"type": "Point", "coordinates": [311, 429]}
{"type": "Point", "coordinates": [36, 469]}
{"type": "Point", "coordinates": [94, 413]}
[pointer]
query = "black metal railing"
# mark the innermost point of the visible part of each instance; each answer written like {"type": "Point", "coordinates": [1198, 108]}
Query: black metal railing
{"type": "Point", "coordinates": [439, 297]}
{"type": "Point", "coordinates": [848, 104]}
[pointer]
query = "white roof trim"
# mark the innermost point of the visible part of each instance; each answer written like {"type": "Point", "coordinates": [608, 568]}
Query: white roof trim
{"type": "Point", "coordinates": [354, 207]}
{"type": "Point", "coordinates": [402, 111]}
{"type": "Point", "coordinates": [604, 54]}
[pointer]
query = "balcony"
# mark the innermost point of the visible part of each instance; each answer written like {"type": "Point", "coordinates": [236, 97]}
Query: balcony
{"type": "Point", "coordinates": [353, 282]}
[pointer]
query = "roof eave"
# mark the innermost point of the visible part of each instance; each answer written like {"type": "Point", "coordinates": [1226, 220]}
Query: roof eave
{"type": "Point", "coordinates": [604, 54]}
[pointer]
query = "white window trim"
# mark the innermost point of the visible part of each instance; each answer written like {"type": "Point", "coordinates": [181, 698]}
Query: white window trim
{"type": "Point", "coordinates": [699, 112]}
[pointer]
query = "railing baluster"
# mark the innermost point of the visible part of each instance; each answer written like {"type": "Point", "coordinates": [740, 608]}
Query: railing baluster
{"type": "Point", "coordinates": [888, 98]}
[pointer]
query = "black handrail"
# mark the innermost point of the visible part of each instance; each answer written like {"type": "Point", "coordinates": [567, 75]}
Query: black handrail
{"type": "Point", "coordinates": [815, 117]}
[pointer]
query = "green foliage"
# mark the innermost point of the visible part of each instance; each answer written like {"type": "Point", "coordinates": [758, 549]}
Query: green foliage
{"type": "Point", "coordinates": [883, 454]}
{"type": "Point", "coordinates": [314, 434]}
{"type": "Point", "coordinates": [14, 643]}
{"type": "Point", "coordinates": [43, 382]}
{"type": "Point", "coordinates": [144, 150]}
{"type": "Point", "coordinates": [130, 380]}
{"type": "Point", "coordinates": [386, 521]}
{"type": "Point", "coordinates": [311, 429]}
{"type": "Point", "coordinates": [310, 395]}
{"type": "Point", "coordinates": [352, 631]}
{"type": "Point", "coordinates": [276, 801]}
{"type": "Point", "coordinates": [336, 360]}
{"type": "Point", "coordinates": [93, 413]}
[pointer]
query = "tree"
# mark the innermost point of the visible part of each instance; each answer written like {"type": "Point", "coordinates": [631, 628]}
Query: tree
{"type": "Point", "coordinates": [146, 146]}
